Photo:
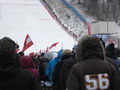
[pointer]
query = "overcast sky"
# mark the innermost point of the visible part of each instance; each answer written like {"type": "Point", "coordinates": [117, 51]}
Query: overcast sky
{"type": "Point", "coordinates": [21, 17]}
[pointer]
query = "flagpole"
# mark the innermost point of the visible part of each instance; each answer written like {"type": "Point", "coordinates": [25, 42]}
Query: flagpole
{"type": "Point", "coordinates": [52, 49]}
{"type": "Point", "coordinates": [62, 45]}
{"type": "Point", "coordinates": [33, 44]}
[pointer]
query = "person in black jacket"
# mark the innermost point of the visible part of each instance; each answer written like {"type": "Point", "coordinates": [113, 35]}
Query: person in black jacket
{"type": "Point", "coordinates": [65, 71]}
{"type": "Point", "coordinates": [109, 59]}
{"type": "Point", "coordinates": [11, 76]}
{"type": "Point", "coordinates": [92, 71]}
{"type": "Point", "coordinates": [57, 71]}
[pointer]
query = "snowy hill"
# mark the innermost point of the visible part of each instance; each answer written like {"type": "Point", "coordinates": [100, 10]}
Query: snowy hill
{"type": "Point", "coordinates": [21, 17]}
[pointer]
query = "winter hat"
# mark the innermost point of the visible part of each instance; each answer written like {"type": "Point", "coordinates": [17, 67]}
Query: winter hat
{"type": "Point", "coordinates": [89, 46]}
{"type": "Point", "coordinates": [7, 50]}
{"type": "Point", "coordinates": [49, 55]}
{"type": "Point", "coordinates": [66, 52]}
{"type": "Point", "coordinates": [26, 62]}
{"type": "Point", "coordinates": [7, 46]}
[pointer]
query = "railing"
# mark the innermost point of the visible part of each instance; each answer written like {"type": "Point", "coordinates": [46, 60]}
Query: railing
{"type": "Point", "coordinates": [75, 11]}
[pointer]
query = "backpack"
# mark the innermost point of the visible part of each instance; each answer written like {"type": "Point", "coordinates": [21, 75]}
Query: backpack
{"type": "Point", "coordinates": [117, 61]}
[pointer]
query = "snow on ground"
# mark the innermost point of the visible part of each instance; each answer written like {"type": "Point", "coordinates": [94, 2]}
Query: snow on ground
{"type": "Point", "coordinates": [21, 17]}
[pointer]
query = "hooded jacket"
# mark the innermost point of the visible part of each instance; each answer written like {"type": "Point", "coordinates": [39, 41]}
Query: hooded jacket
{"type": "Point", "coordinates": [65, 71]}
{"type": "Point", "coordinates": [51, 65]}
{"type": "Point", "coordinates": [66, 54]}
{"type": "Point", "coordinates": [11, 76]}
{"type": "Point", "coordinates": [92, 71]}
{"type": "Point", "coordinates": [110, 51]}
{"type": "Point", "coordinates": [26, 63]}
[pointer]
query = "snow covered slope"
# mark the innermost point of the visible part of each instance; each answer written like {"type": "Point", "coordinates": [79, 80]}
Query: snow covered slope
{"type": "Point", "coordinates": [21, 17]}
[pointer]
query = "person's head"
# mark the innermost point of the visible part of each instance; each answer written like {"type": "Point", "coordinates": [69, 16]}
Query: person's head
{"type": "Point", "coordinates": [100, 39]}
{"type": "Point", "coordinates": [42, 54]}
{"type": "Point", "coordinates": [21, 53]}
{"type": "Point", "coordinates": [26, 62]}
{"type": "Point", "coordinates": [7, 51]}
{"type": "Point", "coordinates": [89, 47]}
{"type": "Point", "coordinates": [103, 43]}
{"type": "Point", "coordinates": [66, 54]}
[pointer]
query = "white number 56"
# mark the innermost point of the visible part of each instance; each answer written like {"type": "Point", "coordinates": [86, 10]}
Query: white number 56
{"type": "Point", "coordinates": [96, 81]}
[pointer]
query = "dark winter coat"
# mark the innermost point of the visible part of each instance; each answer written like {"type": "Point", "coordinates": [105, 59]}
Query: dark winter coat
{"type": "Point", "coordinates": [92, 72]}
{"type": "Point", "coordinates": [14, 78]}
{"type": "Point", "coordinates": [42, 67]}
{"type": "Point", "coordinates": [56, 76]}
{"type": "Point", "coordinates": [110, 51]}
{"type": "Point", "coordinates": [57, 71]}
{"type": "Point", "coordinates": [65, 71]}
{"type": "Point", "coordinates": [11, 76]}
{"type": "Point", "coordinates": [110, 60]}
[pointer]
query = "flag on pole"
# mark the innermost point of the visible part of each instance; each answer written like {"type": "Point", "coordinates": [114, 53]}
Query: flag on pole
{"type": "Point", "coordinates": [32, 54]}
{"type": "Point", "coordinates": [28, 42]}
{"type": "Point", "coordinates": [40, 51]}
{"type": "Point", "coordinates": [89, 28]}
{"type": "Point", "coordinates": [17, 50]}
{"type": "Point", "coordinates": [53, 45]}
{"type": "Point", "coordinates": [47, 49]}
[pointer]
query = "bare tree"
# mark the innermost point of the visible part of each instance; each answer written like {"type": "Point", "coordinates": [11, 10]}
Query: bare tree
{"type": "Point", "coordinates": [103, 9]}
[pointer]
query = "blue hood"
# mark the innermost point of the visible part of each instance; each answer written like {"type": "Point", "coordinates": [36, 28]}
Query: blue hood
{"type": "Point", "coordinates": [59, 54]}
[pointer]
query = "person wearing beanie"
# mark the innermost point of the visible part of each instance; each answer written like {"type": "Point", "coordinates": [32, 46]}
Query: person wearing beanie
{"type": "Point", "coordinates": [51, 65]}
{"type": "Point", "coordinates": [92, 71]}
{"type": "Point", "coordinates": [66, 54]}
{"type": "Point", "coordinates": [109, 59]}
{"type": "Point", "coordinates": [11, 76]}
{"type": "Point", "coordinates": [66, 68]}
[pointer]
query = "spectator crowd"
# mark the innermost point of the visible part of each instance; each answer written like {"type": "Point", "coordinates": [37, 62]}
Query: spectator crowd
{"type": "Point", "coordinates": [90, 65]}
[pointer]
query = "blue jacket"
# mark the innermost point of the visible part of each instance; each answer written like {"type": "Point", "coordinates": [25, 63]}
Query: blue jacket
{"type": "Point", "coordinates": [51, 65]}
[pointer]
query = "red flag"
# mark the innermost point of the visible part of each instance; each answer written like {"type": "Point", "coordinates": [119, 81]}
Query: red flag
{"type": "Point", "coordinates": [47, 49]}
{"type": "Point", "coordinates": [32, 54]}
{"type": "Point", "coordinates": [28, 42]}
{"type": "Point", "coordinates": [40, 51]}
{"type": "Point", "coordinates": [53, 45]}
{"type": "Point", "coordinates": [17, 50]}
{"type": "Point", "coordinates": [89, 28]}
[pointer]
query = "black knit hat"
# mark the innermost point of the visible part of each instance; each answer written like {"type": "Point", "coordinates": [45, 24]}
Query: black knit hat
{"type": "Point", "coordinates": [7, 46]}
{"type": "Point", "coordinates": [66, 52]}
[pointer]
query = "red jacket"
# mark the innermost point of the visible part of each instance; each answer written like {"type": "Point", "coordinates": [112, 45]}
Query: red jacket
{"type": "Point", "coordinates": [26, 63]}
